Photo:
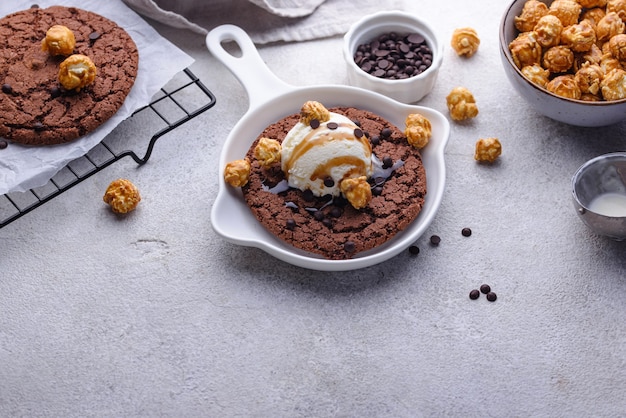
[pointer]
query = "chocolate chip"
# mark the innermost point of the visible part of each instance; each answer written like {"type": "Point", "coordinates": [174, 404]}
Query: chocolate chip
{"type": "Point", "coordinates": [466, 232]}
{"type": "Point", "coordinates": [93, 36]}
{"type": "Point", "coordinates": [415, 38]}
{"type": "Point", "coordinates": [335, 212]}
{"type": "Point", "coordinates": [3, 144]}
{"type": "Point", "coordinates": [38, 126]}
{"type": "Point", "coordinates": [349, 246]}
{"type": "Point", "coordinates": [358, 133]}
{"type": "Point", "coordinates": [332, 125]}
{"type": "Point", "coordinates": [491, 297]}
{"type": "Point", "coordinates": [387, 162]}
{"type": "Point", "coordinates": [318, 215]}
{"type": "Point", "coordinates": [485, 288]}
{"type": "Point", "coordinates": [314, 123]}
{"type": "Point", "coordinates": [435, 240]}
{"type": "Point", "coordinates": [327, 223]}
{"type": "Point", "coordinates": [377, 191]}
{"type": "Point", "coordinates": [55, 92]}
{"type": "Point", "coordinates": [385, 133]}
{"type": "Point", "coordinates": [329, 182]}
{"type": "Point", "coordinates": [7, 89]}
{"type": "Point", "coordinates": [34, 6]}
{"type": "Point", "coordinates": [357, 123]}
{"type": "Point", "coordinates": [375, 140]}
{"type": "Point", "coordinates": [308, 195]}
{"type": "Point", "coordinates": [414, 250]}
{"type": "Point", "coordinates": [474, 294]}
{"type": "Point", "coordinates": [290, 224]}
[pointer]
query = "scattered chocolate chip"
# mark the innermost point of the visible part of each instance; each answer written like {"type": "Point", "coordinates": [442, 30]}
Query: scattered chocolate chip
{"type": "Point", "coordinates": [332, 125]}
{"type": "Point", "coordinates": [340, 201]}
{"type": "Point", "coordinates": [7, 89]}
{"type": "Point", "coordinates": [375, 140]}
{"type": "Point", "coordinates": [34, 6]}
{"type": "Point", "coordinates": [308, 195]}
{"type": "Point", "coordinates": [349, 246]}
{"type": "Point", "coordinates": [385, 133]}
{"type": "Point", "coordinates": [474, 294]}
{"type": "Point", "coordinates": [491, 297]}
{"type": "Point", "coordinates": [314, 123]}
{"type": "Point", "coordinates": [387, 162]}
{"type": "Point", "coordinates": [38, 126]}
{"type": "Point", "coordinates": [55, 92]}
{"type": "Point", "coordinates": [435, 240]}
{"type": "Point", "coordinates": [291, 224]}
{"type": "Point", "coordinates": [485, 288]}
{"type": "Point", "coordinates": [3, 144]}
{"type": "Point", "coordinates": [329, 182]}
{"type": "Point", "coordinates": [466, 232]}
{"type": "Point", "coordinates": [93, 36]}
{"type": "Point", "coordinates": [358, 133]}
{"type": "Point", "coordinates": [327, 223]}
{"type": "Point", "coordinates": [414, 250]}
{"type": "Point", "coordinates": [377, 191]}
{"type": "Point", "coordinates": [357, 123]}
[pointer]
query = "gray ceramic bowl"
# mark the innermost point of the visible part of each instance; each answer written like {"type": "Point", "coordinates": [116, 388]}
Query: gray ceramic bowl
{"type": "Point", "coordinates": [573, 112]}
{"type": "Point", "coordinates": [599, 192]}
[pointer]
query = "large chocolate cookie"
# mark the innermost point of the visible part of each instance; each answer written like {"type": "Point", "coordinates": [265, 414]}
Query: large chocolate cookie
{"type": "Point", "coordinates": [336, 230]}
{"type": "Point", "coordinates": [34, 109]}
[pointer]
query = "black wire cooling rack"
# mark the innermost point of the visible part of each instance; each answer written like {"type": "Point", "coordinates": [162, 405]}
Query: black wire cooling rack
{"type": "Point", "coordinates": [181, 100]}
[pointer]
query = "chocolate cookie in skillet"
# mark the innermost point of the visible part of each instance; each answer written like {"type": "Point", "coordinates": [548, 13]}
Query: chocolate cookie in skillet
{"type": "Point", "coordinates": [56, 89]}
{"type": "Point", "coordinates": [334, 182]}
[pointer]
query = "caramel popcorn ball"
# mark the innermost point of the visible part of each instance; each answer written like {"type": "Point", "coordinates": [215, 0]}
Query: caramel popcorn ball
{"type": "Point", "coordinates": [267, 151]}
{"type": "Point", "coordinates": [614, 85]}
{"type": "Point", "coordinates": [357, 190]}
{"type": "Point", "coordinates": [465, 41]}
{"type": "Point", "coordinates": [526, 50]}
{"type": "Point", "coordinates": [122, 195]}
{"type": "Point", "coordinates": [313, 110]}
{"type": "Point", "coordinates": [589, 78]}
{"type": "Point", "coordinates": [59, 40]}
{"type": "Point", "coordinates": [558, 59]}
{"type": "Point", "coordinates": [617, 46]}
{"type": "Point", "coordinates": [487, 150]}
{"type": "Point", "coordinates": [76, 72]}
{"type": "Point", "coordinates": [461, 104]}
{"type": "Point", "coordinates": [564, 86]}
{"type": "Point", "coordinates": [237, 173]}
{"type": "Point", "coordinates": [532, 11]}
{"type": "Point", "coordinates": [617, 6]}
{"type": "Point", "coordinates": [593, 15]}
{"type": "Point", "coordinates": [536, 74]}
{"type": "Point", "coordinates": [609, 26]}
{"type": "Point", "coordinates": [568, 11]}
{"type": "Point", "coordinates": [579, 37]}
{"type": "Point", "coordinates": [548, 30]}
{"type": "Point", "coordinates": [418, 130]}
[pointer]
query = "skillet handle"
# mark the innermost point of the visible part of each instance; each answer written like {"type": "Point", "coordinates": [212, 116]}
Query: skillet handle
{"type": "Point", "coordinates": [249, 68]}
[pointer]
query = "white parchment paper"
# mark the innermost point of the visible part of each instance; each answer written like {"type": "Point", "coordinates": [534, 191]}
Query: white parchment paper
{"type": "Point", "coordinates": [26, 167]}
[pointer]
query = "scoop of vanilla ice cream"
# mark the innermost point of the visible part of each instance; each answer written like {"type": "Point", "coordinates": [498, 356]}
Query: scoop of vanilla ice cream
{"type": "Point", "coordinates": [337, 149]}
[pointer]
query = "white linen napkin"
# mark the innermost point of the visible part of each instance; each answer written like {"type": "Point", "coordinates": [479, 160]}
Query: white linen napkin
{"type": "Point", "coordinates": [265, 21]}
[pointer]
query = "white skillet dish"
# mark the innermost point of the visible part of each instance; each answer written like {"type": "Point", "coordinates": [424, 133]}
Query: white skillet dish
{"type": "Point", "coordinates": [270, 100]}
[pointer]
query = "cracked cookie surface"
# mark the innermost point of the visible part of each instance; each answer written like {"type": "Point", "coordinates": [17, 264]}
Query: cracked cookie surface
{"type": "Point", "coordinates": [333, 229]}
{"type": "Point", "coordinates": [34, 107]}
